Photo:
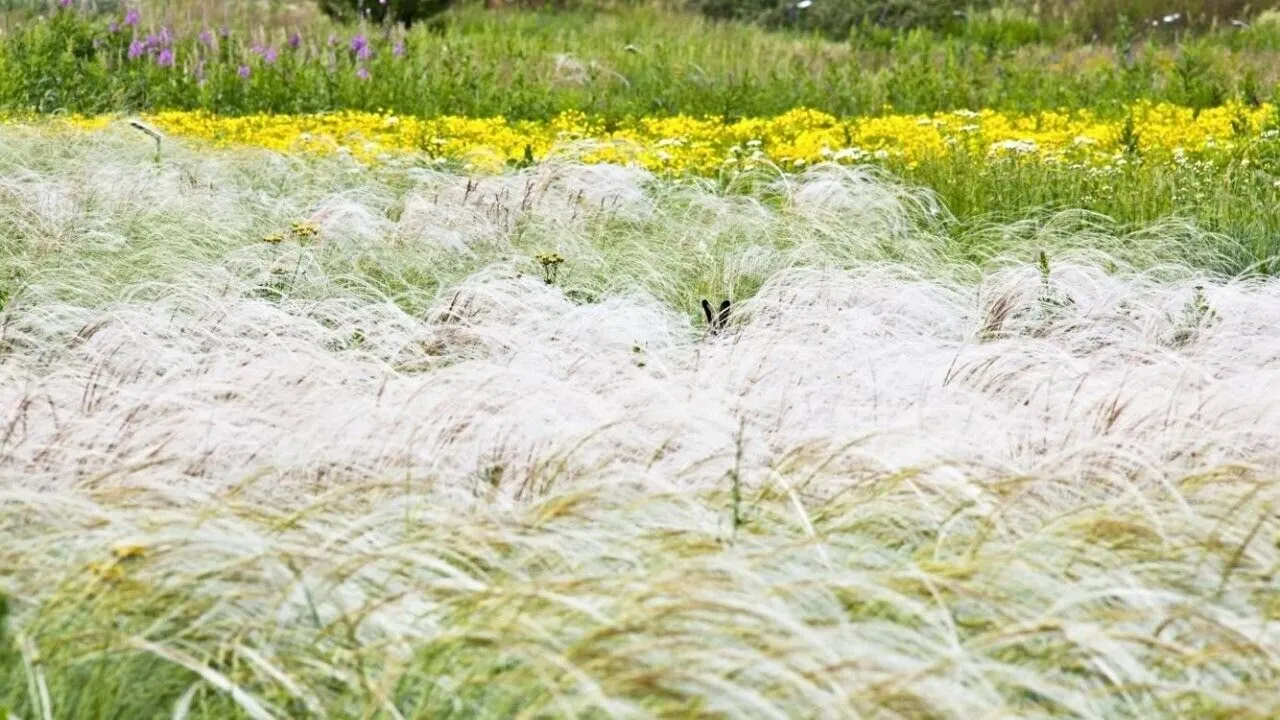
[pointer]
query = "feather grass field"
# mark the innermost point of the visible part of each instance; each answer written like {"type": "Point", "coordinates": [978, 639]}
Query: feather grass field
{"type": "Point", "coordinates": [450, 446]}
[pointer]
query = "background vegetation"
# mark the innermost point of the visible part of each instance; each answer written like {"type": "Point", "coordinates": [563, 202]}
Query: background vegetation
{"type": "Point", "coordinates": [621, 61]}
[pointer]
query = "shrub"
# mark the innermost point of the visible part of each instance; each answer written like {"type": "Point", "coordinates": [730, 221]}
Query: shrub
{"type": "Point", "coordinates": [836, 18]}
{"type": "Point", "coordinates": [405, 12]}
{"type": "Point", "coordinates": [1098, 18]}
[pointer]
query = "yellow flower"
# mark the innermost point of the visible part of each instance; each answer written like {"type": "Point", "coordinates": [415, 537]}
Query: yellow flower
{"type": "Point", "coordinates": [128, 551]}
{"type": "Point", "coordinates": [683, 144]}
{"type": "Point", "coordinates": [303, 230]}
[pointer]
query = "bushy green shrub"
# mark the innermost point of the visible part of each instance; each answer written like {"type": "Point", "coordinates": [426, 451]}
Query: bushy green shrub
{"type": "Point", "coordinates": [1088, 19]}
{"type": "Point", "coordinates": [836, 18]}
{"type": "Point", "coordinates": [1099, 18]}
{"type": "Point", "coordinates": [404, 12]}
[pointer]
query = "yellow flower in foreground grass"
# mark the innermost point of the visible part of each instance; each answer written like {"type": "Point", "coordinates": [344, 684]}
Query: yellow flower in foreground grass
{"type": "Point", "coordinates": [303, 230]}
{"type": "Point", "coordinates": [707, 145]}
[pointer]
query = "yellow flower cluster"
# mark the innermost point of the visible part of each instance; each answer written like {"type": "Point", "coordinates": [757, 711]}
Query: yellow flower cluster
{"type": "Point", "coordinates": [706, 145]}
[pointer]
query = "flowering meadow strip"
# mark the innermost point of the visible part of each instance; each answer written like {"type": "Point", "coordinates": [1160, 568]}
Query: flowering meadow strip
{"type": "Point", "coordinates": [687, 145]}
{"type": "Point", "coordinates": [534, 66]}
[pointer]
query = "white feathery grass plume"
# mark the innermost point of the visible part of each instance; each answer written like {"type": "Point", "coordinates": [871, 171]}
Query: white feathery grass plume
{"type": "Point", "coordinates": [364, 469]}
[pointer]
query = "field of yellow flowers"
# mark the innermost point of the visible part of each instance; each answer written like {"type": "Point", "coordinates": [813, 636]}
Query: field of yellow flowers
{"type": "Point", "coordinates": [707, 145]}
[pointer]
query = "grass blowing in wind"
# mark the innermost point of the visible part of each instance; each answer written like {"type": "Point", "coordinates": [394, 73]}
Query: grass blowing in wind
{"type": "Point", "coordinates": [287, 437]}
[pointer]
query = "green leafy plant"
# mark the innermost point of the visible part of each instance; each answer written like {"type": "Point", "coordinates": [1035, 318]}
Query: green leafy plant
{"type": "Point", "coordinates": [1129, 136]}
{"type": "Point", "coordinates": [404, 12]}
{"type": "Point", "coordinates": [1051, 302]}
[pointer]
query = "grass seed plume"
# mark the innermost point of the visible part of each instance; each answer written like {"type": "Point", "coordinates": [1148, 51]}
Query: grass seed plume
{"type": "Point", "coordinates": [387, 463]}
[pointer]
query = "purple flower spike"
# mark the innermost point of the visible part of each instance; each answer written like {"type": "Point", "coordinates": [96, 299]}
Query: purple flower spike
{"type": "Point", "coordinates": [359, 43]}
{"type": "Point", "coordinates": [113, 27]}
{"type": "Point", "coordinates": [364, 53]}
{"type": "Point", "coordinates": [64, 4]}
{"type": "Point", "coordinates": [243, 71]}
{"type": "Point", "coordinates": [269, 55]}
{"type": "Point", "coordinates": [363, 73]}
{"type": "Point", "coordinates": [136, 48]}
{"type": "Point", "coordinates": [206, 38]}
{"type": "Point", "coordinates": [165, 58]}
{"type": "Point", "coordinates": [132, 17]}
{"type": "Point", "coordinates": [295, 40]}
{"type": "Point", "coordinates": [398, 49]}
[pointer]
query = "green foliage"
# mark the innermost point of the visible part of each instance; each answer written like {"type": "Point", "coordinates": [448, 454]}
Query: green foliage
{"type": "Point", "coordinates": [837, 18]}
{"type": "Point", "coordinates": [1162, 18]}
{"type": "Point", "coordinates": [54, 64]}
{"type": "Point", "coordinates": [1129, 136]}
{"type": "Point", "coordinates": [1088, 20]}
{"type": "Point", "coordinates": [525, 65]}
{"type": "Point", "coordinates": [1201, 82]}
{"type": "Point", "coordinates": [404, 12]}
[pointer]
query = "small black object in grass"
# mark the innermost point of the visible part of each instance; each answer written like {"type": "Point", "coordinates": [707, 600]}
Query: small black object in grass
{"type": "Point", "coordinates": [718, 319]}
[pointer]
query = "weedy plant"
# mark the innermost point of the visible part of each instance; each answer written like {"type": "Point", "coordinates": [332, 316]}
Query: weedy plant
{"type": "Point", "coordinates": [1052, 302]}
{"type": "Point", "coordinates": [10, 289]}
{"type": "Point", "coordinates": [1197, 315]}
{"type": "Point", "coordinates": [550, 264]}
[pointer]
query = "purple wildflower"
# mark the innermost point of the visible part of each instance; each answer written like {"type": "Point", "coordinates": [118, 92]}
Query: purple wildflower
{"type": "Point", "coordinates": [295, 40]}
{"type": "Point", "coordinates": [165, 58]}
{"type": "Point", "coordinates": [132, 17]}
{"type": "Point", "coordinates": [136, 48]}
{"type": "Point", "coordinates": [113, 27]}
{"type": "Point", "coordinates": [359, 43]}
{"type": "Point", "coordinates": [364, 53]}
{"type": "Point", "coordinates": [243, 71]}
{"type": "Point", "coordinates": [206, 38]}
{"type": "Point", "coordinates": [266, 52]}
{"type": "Point", "coordinates": [64, 4]}
{"type": "Point", "coordinates": [398, 49]}
{"type": "Point", "coordinates": [363, 73]}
